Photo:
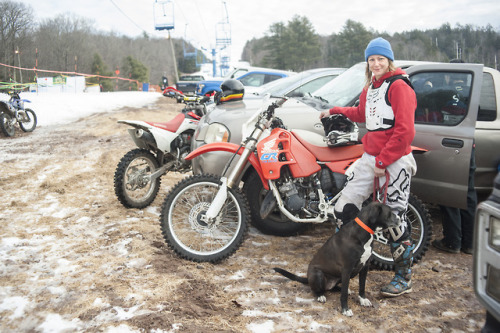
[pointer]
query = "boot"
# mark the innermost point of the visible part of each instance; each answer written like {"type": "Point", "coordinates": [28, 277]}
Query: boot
{"type": "Point", "coordinates": [402, 253]}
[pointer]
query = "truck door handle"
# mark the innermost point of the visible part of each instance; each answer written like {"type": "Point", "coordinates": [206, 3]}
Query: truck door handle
{"type": "Point", "coordinates": [452, 143]}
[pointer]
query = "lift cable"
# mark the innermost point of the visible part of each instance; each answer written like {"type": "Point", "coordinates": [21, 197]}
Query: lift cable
{"type": "Point", "coordinates": [124, 14]}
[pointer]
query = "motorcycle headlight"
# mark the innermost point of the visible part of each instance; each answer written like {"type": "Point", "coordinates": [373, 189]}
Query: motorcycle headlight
{"type": "Point", "coordinates": [494, 240]}
{"type": "Point", "coordinates": [216, 133]}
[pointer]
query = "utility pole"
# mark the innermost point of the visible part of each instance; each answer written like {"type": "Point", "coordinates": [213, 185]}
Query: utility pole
{"type": "Point", "coordinates": [19, 60]}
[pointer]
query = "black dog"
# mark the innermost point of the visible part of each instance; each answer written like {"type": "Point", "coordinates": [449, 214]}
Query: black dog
{"type": "Point", "coordinates": [346, 254]}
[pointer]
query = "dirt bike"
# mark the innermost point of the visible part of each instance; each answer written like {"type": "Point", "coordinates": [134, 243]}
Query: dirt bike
{"type": "Point", "coordinates": [205, 217]}
{"type": "Point", "coordinates": [162, 147]}
{"type": "Point", "coordinates": [12, 112]}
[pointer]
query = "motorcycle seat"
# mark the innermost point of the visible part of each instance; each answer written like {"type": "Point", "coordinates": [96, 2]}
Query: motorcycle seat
{"type": "Point", "coordinates": [171, 125]}
{"type": "Point", "coordinates": [317, 146]}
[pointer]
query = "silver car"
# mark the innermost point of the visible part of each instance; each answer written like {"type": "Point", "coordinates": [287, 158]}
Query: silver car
{"type": "Point", "coordinates": [298, 85]}
{"type": "Point", "coordinates": [448, 135]}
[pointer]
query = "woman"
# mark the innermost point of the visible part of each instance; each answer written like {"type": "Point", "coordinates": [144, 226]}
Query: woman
{"type": "Point", "coordinates": [387, 106]}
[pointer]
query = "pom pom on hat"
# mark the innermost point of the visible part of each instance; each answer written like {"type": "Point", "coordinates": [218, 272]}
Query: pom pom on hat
{"type": "Point", "coordinates": [379, 46]}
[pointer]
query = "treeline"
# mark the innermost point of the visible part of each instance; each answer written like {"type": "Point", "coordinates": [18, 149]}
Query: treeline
{"type": "Point", "coordinates": [296, 46]}
{"type": "Point", "coordinates": [71, 44]}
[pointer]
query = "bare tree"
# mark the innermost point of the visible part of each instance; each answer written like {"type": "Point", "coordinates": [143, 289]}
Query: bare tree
{"type": "Point", "coordinates": [16, 22]}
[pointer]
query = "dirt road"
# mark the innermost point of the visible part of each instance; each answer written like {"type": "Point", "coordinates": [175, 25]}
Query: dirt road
{"type": "Point", "coordinates": [73, 259]}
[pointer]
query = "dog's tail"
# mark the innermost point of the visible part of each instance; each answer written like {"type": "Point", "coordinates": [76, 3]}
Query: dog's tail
{"type": "Point", "coordinates": [291, 276]}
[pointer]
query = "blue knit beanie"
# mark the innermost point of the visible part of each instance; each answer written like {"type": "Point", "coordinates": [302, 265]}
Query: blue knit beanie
{"type": "Point", "coordinates": [379, 46]}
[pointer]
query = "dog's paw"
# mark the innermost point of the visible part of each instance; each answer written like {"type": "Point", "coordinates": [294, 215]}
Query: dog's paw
{"type": "Point", "coordinates": [364, 301]}
{"type": "Point", "coordinates": [321, 299]}
{"type": "Point", "coordinates": [347, 312]}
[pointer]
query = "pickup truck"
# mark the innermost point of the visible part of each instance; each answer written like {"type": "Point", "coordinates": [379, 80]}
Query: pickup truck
{"type": "Point", "coordinates": [486, 274]}
{"type": "Point", "coordinates": [445, 130]}
{"type": "Point", "coordinates": [187, 83]}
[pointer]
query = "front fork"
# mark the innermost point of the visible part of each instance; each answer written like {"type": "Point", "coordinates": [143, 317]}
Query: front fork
{"type": "Point", "coordinates": [232, 179]}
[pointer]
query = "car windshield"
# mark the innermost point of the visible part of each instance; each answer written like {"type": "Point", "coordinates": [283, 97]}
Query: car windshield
{"type": "Point", "coordinates": [345, 88]}
{"type": "Point", "coordinates": [278, 85]}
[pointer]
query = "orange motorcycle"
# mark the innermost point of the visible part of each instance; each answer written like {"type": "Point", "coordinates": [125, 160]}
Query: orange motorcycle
{"type": "Point", "coordinates": [205, 217]}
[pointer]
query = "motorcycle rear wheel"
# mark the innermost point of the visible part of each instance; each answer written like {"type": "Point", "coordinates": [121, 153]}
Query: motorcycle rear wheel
{"type": "Point", "coordinates": [6, 125]}
{"type": "Point", "coordinates": [421, 232]}
{"type": "Point", "coordinates": [132, 186]}
{"type": "Point", "coordinates": [191, 237]}
{"type": "Point", "coordinates": [275, 224]}
{"type": "Point", "coordinates": [30, 125]}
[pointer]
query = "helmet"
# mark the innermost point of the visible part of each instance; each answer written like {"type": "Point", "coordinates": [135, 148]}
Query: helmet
{"type": "Point", "coordinates": [339, 130]}
{"type": "Point", "coordinates": [231, 90]}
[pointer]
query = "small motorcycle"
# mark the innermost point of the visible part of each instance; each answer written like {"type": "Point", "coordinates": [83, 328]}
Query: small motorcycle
{"type": "Point", "coordinates": [206, 217]}
{"type": "Point", "coordinates": [162, 147]}
{"type": "Point", "coordinates": [13, 111]}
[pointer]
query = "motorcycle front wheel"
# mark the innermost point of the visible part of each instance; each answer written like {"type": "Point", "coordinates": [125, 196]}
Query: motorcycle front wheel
{"type": "Point", "coordinates": [7, 125]}
{"type": "Point", "coordinates": [30, 124]}
{"type": "Point", "coordinates": [133, 186]}
{"type": "Point", "coordinates": [189, 234]}
{"type": "Point", "coordinates": [421, 232]}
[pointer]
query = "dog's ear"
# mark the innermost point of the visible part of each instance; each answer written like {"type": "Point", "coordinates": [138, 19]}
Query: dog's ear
{"type": "Point", "coordinates": [376, 212]}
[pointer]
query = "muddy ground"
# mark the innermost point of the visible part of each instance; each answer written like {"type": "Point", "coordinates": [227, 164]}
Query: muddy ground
{"type": "Point", "coordinates": [73, 259]}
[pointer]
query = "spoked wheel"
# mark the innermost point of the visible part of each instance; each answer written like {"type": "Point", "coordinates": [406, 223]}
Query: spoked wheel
{"type": "Point", "coordinates": [421, 231]}
{"type": "Point", "coordinates": [133, 185]}
{"type": "Point", "coordinates": [275, 223]}
{"type": "Point", "coordinates": [30, 124]}
{"type": "Point", "coordinates": [7, 125]}
{"type": "Point", "coordinates": [190, 234]}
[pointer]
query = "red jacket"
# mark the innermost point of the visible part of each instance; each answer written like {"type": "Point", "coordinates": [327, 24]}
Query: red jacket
{"type": "Point", "coordinates": [388, 145]}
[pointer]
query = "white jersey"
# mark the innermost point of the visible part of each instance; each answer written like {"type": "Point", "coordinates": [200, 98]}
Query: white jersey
{"type": "Point", "coordinates": [379, 114]}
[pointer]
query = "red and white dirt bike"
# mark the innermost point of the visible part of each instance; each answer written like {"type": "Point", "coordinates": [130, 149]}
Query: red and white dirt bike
{"type": "Point", "coordinates": [162, 147]}
{"type": "Point", "coordinates": [206, 217]}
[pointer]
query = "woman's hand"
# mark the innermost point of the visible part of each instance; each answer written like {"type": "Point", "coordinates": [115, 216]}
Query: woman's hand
{"type": "Point", "coordinates": [324, 114]}
{"type": "Point", "coordinates": [379, 172]}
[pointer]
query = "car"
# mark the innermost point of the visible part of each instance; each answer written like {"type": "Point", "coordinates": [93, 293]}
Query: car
{"type": "Point", "coordinates": [187, 83]}
{"type": "Point", "coordinates": [442, 174]}
{"type": "Point", "coordinates": [254, 77]}
{"type": "Point", "coordinates": [486, 273]}
{"type": "Point", "coordinates": [298, 85]}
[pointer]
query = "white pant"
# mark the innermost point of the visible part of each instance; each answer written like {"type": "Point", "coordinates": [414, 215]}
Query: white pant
{"type": "Point", "coordinates": [360, 183]}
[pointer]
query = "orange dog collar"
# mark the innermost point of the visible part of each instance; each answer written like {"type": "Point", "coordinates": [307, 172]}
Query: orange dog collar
{"type": "Point", "coordinates": [364, 226]}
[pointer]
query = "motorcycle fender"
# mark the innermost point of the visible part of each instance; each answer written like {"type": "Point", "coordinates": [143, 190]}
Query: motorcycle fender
{"type": "Point", "coordinates": [230, 148]}
{"type": "Point", "coordinates": [163, 138]}
{"type": "Point", "coordinates": [345, 166]}
{"type": "Point", "coordinates": [418, 150]}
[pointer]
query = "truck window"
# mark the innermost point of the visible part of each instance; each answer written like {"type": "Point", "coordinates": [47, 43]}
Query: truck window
{"type": "Point", "coordinates": [442, 97]}
{"type": "Point", "coordinates": [487, 102]}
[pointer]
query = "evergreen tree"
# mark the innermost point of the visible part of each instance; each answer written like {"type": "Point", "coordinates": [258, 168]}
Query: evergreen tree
{"type": "Point", "coordinates": [133, 69]}
{"type": "Point", "coordinates": [100, 68]}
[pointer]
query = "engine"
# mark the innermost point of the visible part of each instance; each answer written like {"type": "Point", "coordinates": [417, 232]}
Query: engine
{"type": "Point", "coordinates": [301, 196]}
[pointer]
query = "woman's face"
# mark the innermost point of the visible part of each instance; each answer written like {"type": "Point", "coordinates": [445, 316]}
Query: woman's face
{"type": "Point", "coordinates": [378, 65]}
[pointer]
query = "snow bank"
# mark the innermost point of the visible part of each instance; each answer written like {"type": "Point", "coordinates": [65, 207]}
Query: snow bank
{"type": "Point", "coordinates": [60, 108]}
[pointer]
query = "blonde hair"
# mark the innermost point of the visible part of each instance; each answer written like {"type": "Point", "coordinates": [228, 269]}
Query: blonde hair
{"type": "Point", "coordinates": [368, 74]}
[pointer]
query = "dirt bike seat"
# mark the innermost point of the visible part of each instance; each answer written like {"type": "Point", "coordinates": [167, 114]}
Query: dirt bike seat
{"type": "Point", "coordinates": [171, 125]}
{"type": "Point", "coordinates": [317, 146]}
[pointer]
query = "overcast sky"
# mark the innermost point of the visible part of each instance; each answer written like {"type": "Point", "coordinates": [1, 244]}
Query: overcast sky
{"type": "Point", "coordinates": [196, 20]}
